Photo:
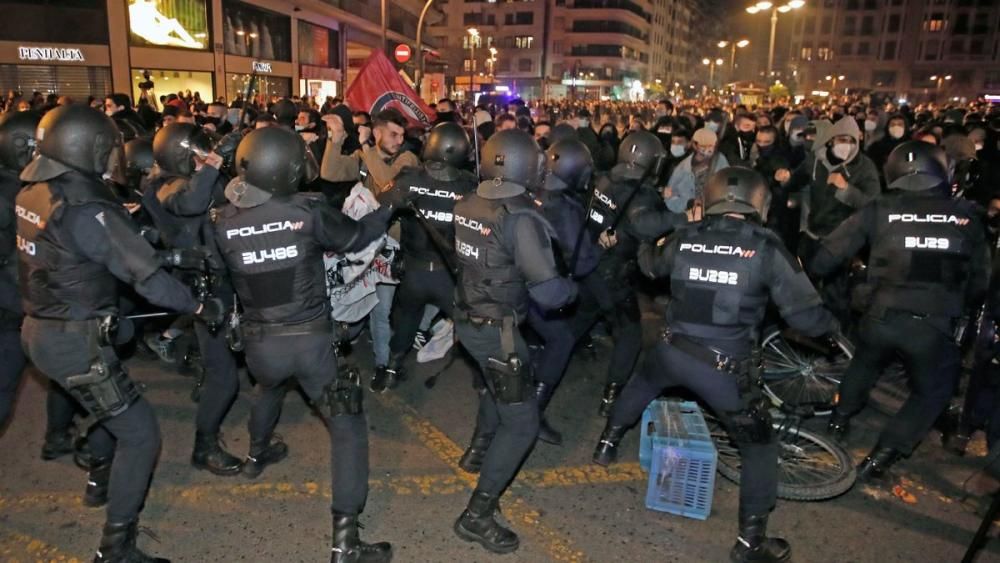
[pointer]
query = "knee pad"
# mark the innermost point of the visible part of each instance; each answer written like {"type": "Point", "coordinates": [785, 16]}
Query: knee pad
{"type": "Point", "coordinates": [751, 425]}
{"type": "Point", "coordinates": [343, 396]}
{"type": "Point", "coordinates": [105, 391]}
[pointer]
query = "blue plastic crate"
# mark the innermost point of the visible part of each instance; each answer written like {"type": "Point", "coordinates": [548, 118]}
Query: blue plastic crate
{"type": "Point", "coordinates": [682, 459]}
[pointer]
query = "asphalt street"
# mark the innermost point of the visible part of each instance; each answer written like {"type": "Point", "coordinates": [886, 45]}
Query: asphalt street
{"type": "Point", "coordinates": [564, 508]}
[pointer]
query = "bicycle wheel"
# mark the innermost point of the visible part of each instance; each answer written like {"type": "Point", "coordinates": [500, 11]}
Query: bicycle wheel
{"type": "Point", "coordinates": [810, 467]}
{"type": "Point", "coordinates": [800, 372]}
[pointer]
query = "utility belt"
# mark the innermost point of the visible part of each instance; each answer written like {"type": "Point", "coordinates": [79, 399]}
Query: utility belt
{"type": "Point", "coordinates": [510, 380]}
{"type": "Point", "coordinates": [105, 390]}
{"type": "Point", "coordinates": [257, 331]}
{"type": "Point", "coordinates": [413, 263]}
{"type": "Point", "coordinates": [752, 422]}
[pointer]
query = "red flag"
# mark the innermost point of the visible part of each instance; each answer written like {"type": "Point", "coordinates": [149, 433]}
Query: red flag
{"type": "Point", "coordinates": [379, 87]}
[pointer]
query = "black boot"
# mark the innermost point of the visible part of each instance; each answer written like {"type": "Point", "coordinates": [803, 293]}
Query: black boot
{"type": "Point", "coordinates": [877, 464]}
{"type": "Point", "coordinates": [839, 427]}
{"type": "Point", "coordinates": [547, 434]}
{"type": "Point", "coordinates": [263, 454]}
{"type": "Point", "coordinates": [606, 451]}
{"type": "Point", "coordinates": [57, 444]}
{"type": "Point", "coordinates": [82, 456]}
{"type": "Point", "coordinates": [348, 547]}
{"type": "Point", "coordinates": [611, 392]}
{"type": "Point", "coordinates": [753, 545]}
{"type": "Point", "coordinates": [118, 545]}
{"type": "Point", "coordinates": [96, 494]}
{"type": "Point", "coordinates": [208, 454]}
{"type": "Point", "coordinates": [477, 524]}
{"type": "Point", "coordinates": [472, 459]}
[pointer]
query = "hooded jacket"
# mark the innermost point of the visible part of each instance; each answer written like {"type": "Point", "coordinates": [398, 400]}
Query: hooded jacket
{"type": "Point", "coordinates": [879, 151]}
{"type": "Point", "coordinates": [828, 206]}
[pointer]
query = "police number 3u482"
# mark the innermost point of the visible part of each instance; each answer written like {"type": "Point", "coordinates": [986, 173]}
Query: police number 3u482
{"type": "Point", "coordinates": [270, 255]}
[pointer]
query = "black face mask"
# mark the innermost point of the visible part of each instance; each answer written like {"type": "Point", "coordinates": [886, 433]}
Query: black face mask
{"type": "Point", "coordinates": [212, 120]}
{"type": "Point", "coordinates": [748, 136]}
{"type": "Point", "coordinates": [765, 151]}
{"type": "Point", "coordinates": [836, 117]}
{"type": "Point", "coordinates": [543, 143]}
{"type": "Point", "coordinates": [446, 116]}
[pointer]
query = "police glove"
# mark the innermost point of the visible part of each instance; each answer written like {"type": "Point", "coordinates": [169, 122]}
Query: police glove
{"type": "Point", "coordinates": [184, 258]}
{"type": "Point", "coordinates": [212, 311]}
{"type": "Point", "coordinates": [226, 148]}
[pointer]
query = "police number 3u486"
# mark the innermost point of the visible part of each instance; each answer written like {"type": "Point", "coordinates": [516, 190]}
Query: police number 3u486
{"type": "Point", "coordinates": [271, 254]}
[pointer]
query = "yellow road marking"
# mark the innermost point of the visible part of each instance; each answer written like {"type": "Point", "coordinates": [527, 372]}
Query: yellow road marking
{"type": "Point", "coordinates": [426, 485]}
{"type": "Point", "coordinates": [13, 545]}
{"type": "Point", "coordinates": [515, 509]}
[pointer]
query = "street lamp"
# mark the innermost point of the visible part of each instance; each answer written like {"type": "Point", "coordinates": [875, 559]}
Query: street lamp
{"type": "Point", "coordinates": [784, 9]}
{"type": "Point", "coordinates": [834, 79]}
{"type": "Point", "coordinates": [733, 44]}
{"type": "Point", "coordinates": [473, 35]}
{"type": "Point", "coordinates": [711, 69]}
{"type": "Point", "coordinates": [940, 80]}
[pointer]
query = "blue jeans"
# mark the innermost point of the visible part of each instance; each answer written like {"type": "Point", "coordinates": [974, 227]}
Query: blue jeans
{"type": "Point", "coordinates": [378, 323]}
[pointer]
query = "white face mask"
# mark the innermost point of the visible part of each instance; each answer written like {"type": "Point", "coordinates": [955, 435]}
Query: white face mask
{"type": "Point", "coordinates": [581, 123]}
{"type": "Point", "coordinates": [677, 150]}
{"type": "Point", "coordinates": [664, 130]}
{"type": "Point", "coordinates": [109, 112]}
{"type": "Point", "coordinates": [842, 150]}
{"type": "Point", "coordinates": [712, 126]}
{"type": "Point", "coordinates": [870, 125]}
{"type": "Point", "coordinates": [979, 146]}
{"type": "Point", "coordinates": [300, 127]}
{"type": "Point", "coordinates": [896, 131]}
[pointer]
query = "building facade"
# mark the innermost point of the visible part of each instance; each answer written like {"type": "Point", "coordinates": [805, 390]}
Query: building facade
{"type": "Point", "coordinates": [94, 47]}
{"type": "Point", "coordinates": [916, 50]}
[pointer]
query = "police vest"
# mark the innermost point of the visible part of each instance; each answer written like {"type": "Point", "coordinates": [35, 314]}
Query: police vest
{"type": "Point", "coordinates": [920, 254]}
{"type": "Point", "coordinates": [436, 201]}
{"type": "Point", "coordinates": [489, 283]}
{"type": "Point", "coordinates": [275, 263]}
{"type": "Point", "coordinates": [717, 283]}
{"type": "Point", "coordinates": [56, 281]}
{"type": "Point", "coordinates": [9, 298]}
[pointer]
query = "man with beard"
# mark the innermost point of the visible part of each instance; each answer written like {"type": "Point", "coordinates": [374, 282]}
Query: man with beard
{"type": "Point", "coordinates": [375, 166]}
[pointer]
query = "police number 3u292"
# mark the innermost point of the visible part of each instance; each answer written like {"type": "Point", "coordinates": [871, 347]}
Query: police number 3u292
{"type": "Point", "coordinates": [270, 255]}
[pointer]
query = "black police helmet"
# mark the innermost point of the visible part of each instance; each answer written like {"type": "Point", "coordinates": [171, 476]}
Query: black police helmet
{"type": "Point", "coordinates": [175, 146]}
{"type": "Point", "coordinates": [447, 144]}
{"type": "Point", "coordinates": [916, 166]}
{"type": "Point", "coordinates": [512, 156]}
{"type": "Point", "coordinates": [642, 155]}
{"type": "Point", "coordinates": [285, 112]}
{"type": "Point", "coordinates": [138, 159]}
{"type": "Point", "coordinates": [737, 189]}
{"type": "Point", "coordinates": [76, 137]}
{"type": "Point", "coordinates": [272, 159]}
{"type": "Point", "coordinates": [562, 131]}
{"type": "Point", "coordinates": [570, 161]}
{"type": "Point", "coordinates": [17, 139]}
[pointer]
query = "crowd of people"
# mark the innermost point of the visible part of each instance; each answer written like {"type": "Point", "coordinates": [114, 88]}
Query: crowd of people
{"type": "Point", "coordinates": [268, 229]}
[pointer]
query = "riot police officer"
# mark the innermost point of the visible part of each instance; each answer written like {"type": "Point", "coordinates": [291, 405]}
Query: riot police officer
{"type": "Point", "coordinates": [505, 259]}
{"type": "Point", "coordinates": [17, 139]}
{"type": "Point", "coordinates": [75, 243]}
{"type": "Point", "coordinates": [929, 264]}
{"type": "Point", "coordinates": [428, 256]}
{"type": "Point", "coordinates": [722, 271]}
{"type": "Point", "coordinates": [624, 211]}
{"type": "Point", "coordinates": [272, 240]}
{"type": "Point", "coordinates": [569, 167]}
{"type": "Point", "coordinates": [178, 197]}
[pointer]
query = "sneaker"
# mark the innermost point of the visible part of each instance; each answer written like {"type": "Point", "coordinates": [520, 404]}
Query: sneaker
{"type": "Point", "coordinates": [439, 344]}
{"type": "Point", "coordinates": [162, 346]}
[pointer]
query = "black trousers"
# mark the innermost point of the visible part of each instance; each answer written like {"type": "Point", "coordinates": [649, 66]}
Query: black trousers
{"type": "Point", "coordinates": [613, 299]}
{"type": "Point", "coordinates": [310, 360]}
{"type": "Point", "coordinates": [222, 381]}
{"type": "Point", "coordinates": [514, 426]}
{"type": "Point", "coordinates": [59, 355]}
{"type": "Point", "coordinates": [928, 353]}
{"type": "Point", "coordinates": [665, 367]}
{"type": "Point", "coordinates": [556, 330]}
{"type": "Point", "coordinates": [11, 367]}
{"type": "Point", "coordinates": [417, 289]}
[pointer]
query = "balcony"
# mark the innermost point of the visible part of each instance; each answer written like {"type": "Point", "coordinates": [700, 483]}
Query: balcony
{"type": "Point", "coordinates": [626, 5]}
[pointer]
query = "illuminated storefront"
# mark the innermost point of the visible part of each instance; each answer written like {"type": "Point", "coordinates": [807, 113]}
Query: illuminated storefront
{"type": "Point", "coordinates": [319, 61]}
{"type": "Point", "coordinates": [170, 39]}
{"type": "Point", "coordinates": [180, 82]}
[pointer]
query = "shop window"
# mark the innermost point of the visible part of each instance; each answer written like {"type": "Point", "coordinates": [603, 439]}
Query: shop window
{"type": "Point", "coordinates": [318, 45]}
{"type": "Point", "coordinates": [252, 32]}
{"type": "Point", "coordinates": [268, 87]}
{"type": "Point", "coordinates": [83, 21]}
{"type": "Point", "coordinates": [173, 81]}
{"type": "Point", "coordinates": [169, 23]}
